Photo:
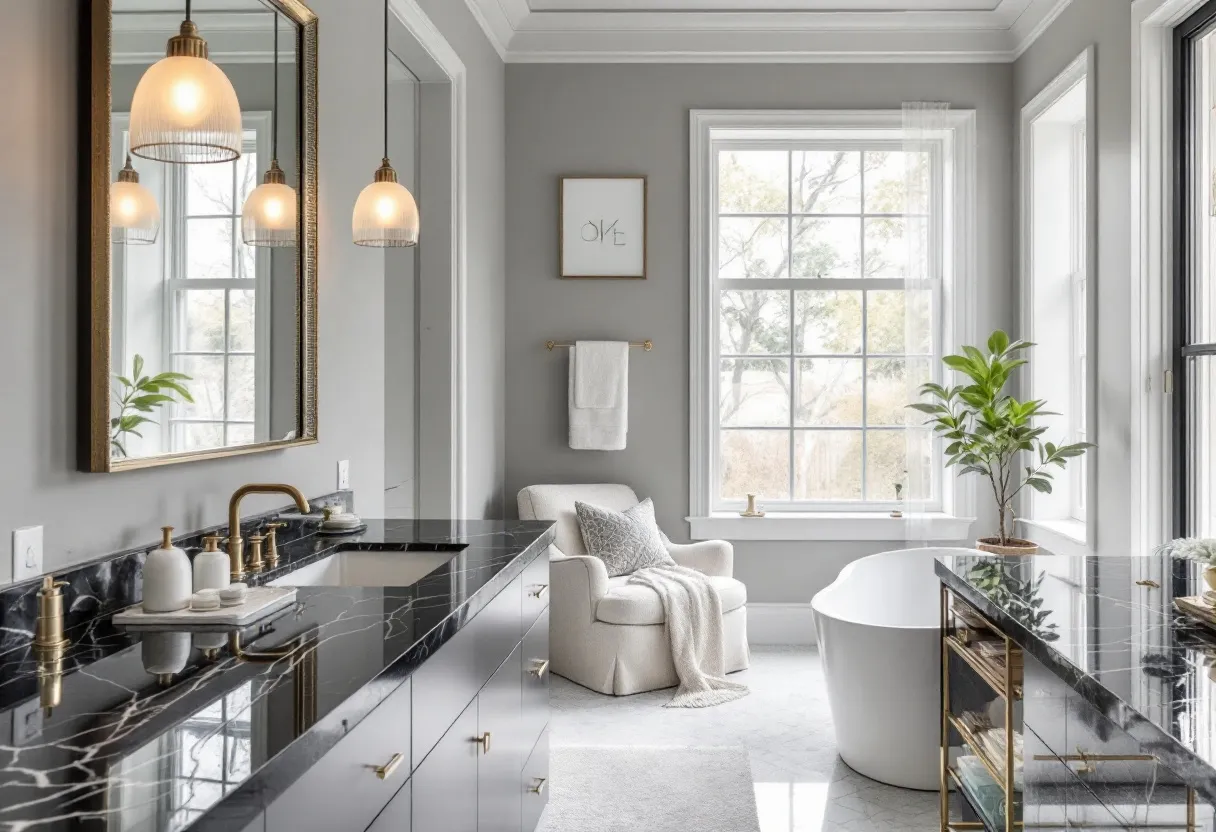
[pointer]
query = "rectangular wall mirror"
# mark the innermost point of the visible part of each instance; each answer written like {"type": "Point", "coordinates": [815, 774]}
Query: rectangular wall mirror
{"type": "Point", "coordinates": [202, 284]}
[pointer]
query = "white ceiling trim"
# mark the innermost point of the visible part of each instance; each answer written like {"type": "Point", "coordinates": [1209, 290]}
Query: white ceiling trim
{"type": "Point", "coordinates": [521, 35]}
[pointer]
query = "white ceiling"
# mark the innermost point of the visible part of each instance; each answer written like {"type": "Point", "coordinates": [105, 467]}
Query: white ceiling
{"type": "Point", "coordinates": [763, 31]}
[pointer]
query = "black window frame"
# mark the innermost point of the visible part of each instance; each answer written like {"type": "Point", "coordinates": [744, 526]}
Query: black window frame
{"type": "Point", "coordinates": [1188, 178]}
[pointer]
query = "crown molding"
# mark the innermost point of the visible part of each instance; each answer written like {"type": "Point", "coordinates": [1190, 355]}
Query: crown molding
{"type": "Point", "coordinates": [787, 31]}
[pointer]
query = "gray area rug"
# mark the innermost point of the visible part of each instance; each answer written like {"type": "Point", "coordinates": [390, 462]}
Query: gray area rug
{"type": "Point", "coordinates": [639, 789]}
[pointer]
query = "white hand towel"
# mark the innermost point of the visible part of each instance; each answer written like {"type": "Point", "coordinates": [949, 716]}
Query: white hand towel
{"type": "Point", "coordinates": [600, 428]}
{"type": "Point", "coordinates": [599, 369]}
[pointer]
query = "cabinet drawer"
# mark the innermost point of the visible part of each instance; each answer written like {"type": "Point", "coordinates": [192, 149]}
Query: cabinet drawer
{"type": "Point", "coordinates": [536, 590]}
{"type": "Point", "coordinates": [1114, 767]}
{"type": "Point", "coordinates": [497, 628]}
{"type": "Point", "coordinates": [341, 790]}
{"type": "Point", "coordinates": [535, 783]}
{"type": "Point", "coordinates": [1054, 797]}
{"type": "Point", "coordinates": [536, 679]}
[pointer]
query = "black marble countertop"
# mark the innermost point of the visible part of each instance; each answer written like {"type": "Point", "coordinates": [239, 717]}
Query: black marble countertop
{"type": "Point", "coordinates": [1106, 626]}
{"type": "Point", "coordinates": [207, 748]}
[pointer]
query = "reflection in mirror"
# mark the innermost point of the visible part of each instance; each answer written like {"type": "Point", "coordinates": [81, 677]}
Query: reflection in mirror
{"type": "Point", "coordinates": [204, 328]}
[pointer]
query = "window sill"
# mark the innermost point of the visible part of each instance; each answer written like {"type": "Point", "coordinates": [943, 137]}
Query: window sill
{"type": "Point", "coordinates": [1060, 537]}
{"type": "Point", "coordinates": [829, 526]}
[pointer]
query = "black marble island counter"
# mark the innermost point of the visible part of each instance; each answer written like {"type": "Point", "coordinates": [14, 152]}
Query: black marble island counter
{"type": "Point", "coordinates": [1118, 691]}
{"type": "Point", "coordinates": [251, 735]}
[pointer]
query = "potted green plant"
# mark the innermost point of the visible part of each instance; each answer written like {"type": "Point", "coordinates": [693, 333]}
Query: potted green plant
{"type": "Point", "coordinates": [989, 432]}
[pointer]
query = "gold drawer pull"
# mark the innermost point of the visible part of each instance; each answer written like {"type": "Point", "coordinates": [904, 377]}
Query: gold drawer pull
{"type": "Point", "coordinates": [484, 742]}
{"type": "Point", "coordinates": [386, 771]}
{"type": "Point", "coordinates": [539, 591]}
{"type": "Point", "coordinates": [538, 668]}
{"type": "Point", "coordinates": [539, 787]}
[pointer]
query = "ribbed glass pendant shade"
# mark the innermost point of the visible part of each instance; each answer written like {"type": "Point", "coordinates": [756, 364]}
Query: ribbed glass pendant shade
{"type": "Point", "coordinates": [269, 215]}
{"type": "Point", "coordinates": [386, 215]}
{"type": "Point", "coordinates": [134, 214]}
{"type": "Point", "coordinates": [185, 110]}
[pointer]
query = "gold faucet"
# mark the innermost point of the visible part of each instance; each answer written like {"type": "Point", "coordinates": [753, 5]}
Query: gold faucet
{"type": "Point", "coordinates": [236, 545]}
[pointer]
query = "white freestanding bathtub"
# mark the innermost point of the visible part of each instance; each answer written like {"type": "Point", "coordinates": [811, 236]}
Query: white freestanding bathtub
{"type": "Point", "coordinates": [878, 627]}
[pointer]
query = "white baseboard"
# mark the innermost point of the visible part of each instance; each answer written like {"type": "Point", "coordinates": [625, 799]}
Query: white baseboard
{"type": "Point", "coordinates": [780, 624]}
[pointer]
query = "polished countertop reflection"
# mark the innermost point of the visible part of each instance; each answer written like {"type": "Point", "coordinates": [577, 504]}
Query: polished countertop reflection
{"type": "Point", "coordinates": [1106, 626]}
{"type": "Point", "coordinates": [110, 738]}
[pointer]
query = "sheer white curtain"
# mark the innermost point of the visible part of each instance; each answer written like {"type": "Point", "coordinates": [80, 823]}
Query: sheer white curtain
{"type": "Point", "coordinates": [924, 129]}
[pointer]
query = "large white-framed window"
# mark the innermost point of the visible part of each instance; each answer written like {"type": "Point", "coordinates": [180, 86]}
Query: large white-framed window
{"type": "Point", "coordinates": [217, 301]}
{"type": "Point", "coordinates": [802, 358]}
{"type": "Point", "coordinates": [1057, 310]}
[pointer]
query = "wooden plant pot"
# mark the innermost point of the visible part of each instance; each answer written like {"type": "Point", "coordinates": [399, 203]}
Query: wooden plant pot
{"type": "Point", "coordinates": [1014, 548]}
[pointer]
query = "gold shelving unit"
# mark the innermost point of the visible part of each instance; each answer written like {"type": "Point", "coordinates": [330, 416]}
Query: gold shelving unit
{"type": "Point", "coordinates": [1008, 688]}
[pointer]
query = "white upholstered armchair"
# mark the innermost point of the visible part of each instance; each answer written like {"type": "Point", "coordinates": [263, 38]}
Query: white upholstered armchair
{"type": "Point", "coordinates": [605, 633]}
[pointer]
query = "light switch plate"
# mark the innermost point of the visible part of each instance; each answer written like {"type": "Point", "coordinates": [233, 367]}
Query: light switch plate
{"type": "Point", "coordinates": [27, 553]}
{"type": "Point", "coordinates": [344, 475]}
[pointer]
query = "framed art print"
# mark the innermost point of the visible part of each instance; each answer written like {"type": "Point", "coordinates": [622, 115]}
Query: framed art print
{"type": "Point", "coordinates": [602, 227]}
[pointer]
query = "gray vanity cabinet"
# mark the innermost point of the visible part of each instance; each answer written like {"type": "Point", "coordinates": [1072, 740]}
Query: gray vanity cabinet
{"type": "Point", "coordinates": [446, 784]}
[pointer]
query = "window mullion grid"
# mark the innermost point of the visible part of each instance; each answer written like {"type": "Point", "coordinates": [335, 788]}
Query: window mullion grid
{"type": "Point", "coordinates": [865, 325]}
{"type": "Point", "coordinates": [789, 257]}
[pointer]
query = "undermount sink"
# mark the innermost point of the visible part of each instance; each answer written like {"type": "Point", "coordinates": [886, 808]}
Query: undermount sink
{"type": "Point", "coordinates": [400, 568]}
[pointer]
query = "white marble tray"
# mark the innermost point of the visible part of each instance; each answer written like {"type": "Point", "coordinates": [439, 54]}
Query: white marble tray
{"type": "Point", "coordinates": [259, 603]}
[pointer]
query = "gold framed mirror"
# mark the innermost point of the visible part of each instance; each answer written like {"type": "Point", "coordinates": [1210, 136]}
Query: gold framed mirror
{"type": "Point", "coordinates": [200, 207]}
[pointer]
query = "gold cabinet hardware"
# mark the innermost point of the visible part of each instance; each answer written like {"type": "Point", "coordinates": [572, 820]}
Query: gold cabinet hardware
{"type": "Point", "coordinates": [538, 668]}
{"type": "Point", "coordinates": [1149, 584]}
{"type": "Point", "coordinates": [386, 771]}
{"type": "Point", "coordinates": [539, 591]}
{"type": "Point", "coordinates": [539, 786]}
{"type": "Point", "coordinates": [484, 742]}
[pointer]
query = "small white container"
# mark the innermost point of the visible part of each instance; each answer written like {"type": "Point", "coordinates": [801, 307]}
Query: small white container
{"type": "Point", "coordinates": [212, 567]}
{"type": "Point", "coordinates": [205, 600]}
{"type": "Point", "coordinates": [167, 577]}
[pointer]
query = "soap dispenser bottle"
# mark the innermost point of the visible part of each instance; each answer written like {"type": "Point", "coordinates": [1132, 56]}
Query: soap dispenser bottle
{"type": "Point", "coordinates": [167, 577]}
{"type": "Point", "coordinates": [211, 566]}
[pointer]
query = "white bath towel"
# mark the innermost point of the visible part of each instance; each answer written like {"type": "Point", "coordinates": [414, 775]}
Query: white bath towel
{"type": "Point", "coordinates": [598, 399]}
{"type": "Point", "coordinates": [692, 609]}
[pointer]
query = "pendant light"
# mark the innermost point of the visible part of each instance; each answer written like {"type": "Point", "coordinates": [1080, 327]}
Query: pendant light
{"type": "Point", "coordinates": [134, 214]}
{"type": "Point", "coordinates": [269, 216]}
{"type": "Point", "coordinates": [385, 213]}
{"type": "Point", "coordinates": [184, 109]}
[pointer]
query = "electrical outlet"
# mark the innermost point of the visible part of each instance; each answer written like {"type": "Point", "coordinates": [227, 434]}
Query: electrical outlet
{"type": "Point", "coordinates": [343, 474]}
{"type": "Point", "coordinates": [27, 553]}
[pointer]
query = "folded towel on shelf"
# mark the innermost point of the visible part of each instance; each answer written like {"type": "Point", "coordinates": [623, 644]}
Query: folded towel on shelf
{"type": "Point", "coordinates": [598, 396]}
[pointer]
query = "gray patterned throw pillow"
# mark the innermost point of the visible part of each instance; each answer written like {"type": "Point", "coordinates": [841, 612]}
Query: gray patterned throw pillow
{"type": "Point", "coordinates": [625, 541]}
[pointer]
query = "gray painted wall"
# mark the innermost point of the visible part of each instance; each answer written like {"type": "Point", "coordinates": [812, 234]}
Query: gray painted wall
{"type": "Point", "coordinates": [485, 333]}
{"type": "Point", "coordinates": [1105, 24]}
{"type": "Point", "coordinates": [87, 515]}
{"type": "Point", "coordinates": [634, 119]}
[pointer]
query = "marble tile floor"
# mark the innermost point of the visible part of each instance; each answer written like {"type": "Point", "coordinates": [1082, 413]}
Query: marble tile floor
{"type": "Point", "coordinates": [786, 725]}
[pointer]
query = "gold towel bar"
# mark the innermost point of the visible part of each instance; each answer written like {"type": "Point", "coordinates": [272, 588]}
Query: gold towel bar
{"type": "Point", "coordinates": [647, 345]}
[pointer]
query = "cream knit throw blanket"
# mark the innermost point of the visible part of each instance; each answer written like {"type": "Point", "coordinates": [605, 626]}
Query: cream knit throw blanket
{"type": "Point", "coordinates": [693, 612]}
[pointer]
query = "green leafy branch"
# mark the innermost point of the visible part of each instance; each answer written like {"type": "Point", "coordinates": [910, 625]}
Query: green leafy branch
{"type": "Point", "coordinates": [1020, 599]}
{"type": "Point", "coordinates": [143, 395]}
{"type": "Point", "coordinates": [987, 430]}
